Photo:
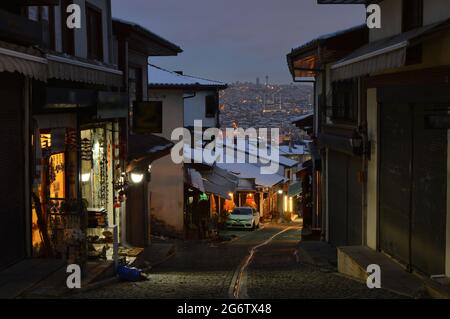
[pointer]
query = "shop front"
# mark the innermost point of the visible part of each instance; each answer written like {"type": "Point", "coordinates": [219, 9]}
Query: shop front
{"type": "Point", "coordinates": [102, 182]}
{"type": "Point", "coordinates": [56, 205]}
{"type": "Point", "coordinates": [209, 197]}
{"type": "Point", "coordinates": [78, 176]}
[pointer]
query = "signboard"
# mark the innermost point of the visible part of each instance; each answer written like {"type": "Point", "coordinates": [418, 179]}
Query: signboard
{"type": "Point", "coordinates": [147, 117]}
{"type": "Point", "coordinates": [112, 105]}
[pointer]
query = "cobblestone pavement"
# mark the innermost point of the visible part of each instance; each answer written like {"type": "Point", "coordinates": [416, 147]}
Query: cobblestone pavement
{"type": "Point", "coordinates": [201, 270]}
{"type": "Point", "coordinates": [275, 273]}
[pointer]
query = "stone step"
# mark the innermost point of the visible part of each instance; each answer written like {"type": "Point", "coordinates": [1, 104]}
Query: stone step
{"type": "Point", "coordinates": [354, 260]}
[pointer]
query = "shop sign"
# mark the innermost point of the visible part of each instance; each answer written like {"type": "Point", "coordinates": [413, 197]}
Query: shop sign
{"type": "Point", "coordinates": [112, 105]}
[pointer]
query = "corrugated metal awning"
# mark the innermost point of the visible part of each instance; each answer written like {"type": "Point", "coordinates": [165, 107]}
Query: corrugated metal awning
{"type": "Point", "coordinates": [26, 61]}
{"type": "Point", "coordinates": [383, 54]}
{"type": "Point", "coordinates": [220, 182]}
{"type": "Point", "coordinates": [389, 59]}
{"type": "Point", "coordinates": [214, 181]}
{"type": "Point", "coordinates": [70, 69]}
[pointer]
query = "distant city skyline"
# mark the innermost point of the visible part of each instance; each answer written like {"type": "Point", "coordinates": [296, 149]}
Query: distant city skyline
{"type": "Point", "coordinates": [234, 40]}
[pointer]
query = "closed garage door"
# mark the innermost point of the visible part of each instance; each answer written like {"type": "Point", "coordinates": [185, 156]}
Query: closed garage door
{"type": "Point", "coordinates": [413, 166]}
{"type": "Point", "coordinates": [12, 210]}
{"type": "Point", "coordinates": [395, 183]}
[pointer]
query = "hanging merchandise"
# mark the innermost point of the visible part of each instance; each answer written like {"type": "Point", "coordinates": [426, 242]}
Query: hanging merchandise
{"type": "Point", "coordinates": [86, 150]}
{"type": "Point", "coordinates": [104, 182]}
{"type": "Point", "coordinates": [71, 139]}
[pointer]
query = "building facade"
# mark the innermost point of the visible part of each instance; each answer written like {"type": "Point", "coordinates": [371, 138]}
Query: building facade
{"type": "Point", "coordinates": [387, 102]}
{"type": "Point", "coordinates": [67, 96]}
{"type": "Point", "coordinates": [175, 101]}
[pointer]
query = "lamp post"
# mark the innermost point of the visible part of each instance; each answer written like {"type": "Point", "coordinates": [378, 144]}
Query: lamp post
{"type": "Point", "coordinates": [138, 196]}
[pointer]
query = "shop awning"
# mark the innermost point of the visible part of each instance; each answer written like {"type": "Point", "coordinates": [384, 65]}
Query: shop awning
{"type": "Point", "coordinates": [383, 54]}
{"type": "Point", "coordinates": [145, 149]}
{"type": "Point", "coordinates": [27, 61]}
{"type": "Point", "coordinates": [212, 180]}
{"type": "Point", "coordinates": [220, 182]}
{"type": "Point", "coordinates": [295, 189]}
{"type": "Point", "coordinates": [195, 179]}
{"type": "Point", "coordinates": [79, 70]}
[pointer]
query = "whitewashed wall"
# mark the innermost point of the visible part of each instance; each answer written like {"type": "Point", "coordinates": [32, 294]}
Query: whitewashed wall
{"type": "Point", "coordinates": [195, 109]}
{"type": "Point", "coordinates": [167, 183]}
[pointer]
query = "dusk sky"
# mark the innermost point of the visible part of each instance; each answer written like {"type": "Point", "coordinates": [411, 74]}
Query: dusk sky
{"type": "Point", "coordinates": [236, 40]}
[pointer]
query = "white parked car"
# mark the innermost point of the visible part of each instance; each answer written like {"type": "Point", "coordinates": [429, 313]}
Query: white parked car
{"type": "Point", "coordinates": [244, 218]}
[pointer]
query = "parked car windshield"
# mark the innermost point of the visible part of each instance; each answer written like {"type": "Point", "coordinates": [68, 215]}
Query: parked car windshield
{"type": "Point", "coordinates": [243, 211]}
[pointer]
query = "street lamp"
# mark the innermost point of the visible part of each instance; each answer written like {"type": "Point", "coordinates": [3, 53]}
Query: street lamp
{"type": "Point", "coordinates": [86, 177]}
{"type": "Point", "coordinates": [137, 178]}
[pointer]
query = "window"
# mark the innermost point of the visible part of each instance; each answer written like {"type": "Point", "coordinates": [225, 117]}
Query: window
{"type": "Point", "coordinates": [147, 117]}
{"type": "Point", "coordinates": [94, 28]}
{"type": "Point", "coordinates": [68, 36]}
{"type": "Point", "coordinates": [46, 16]}
{"type": "Point", "coordinates": [345, 101]}
{"type": "Point", "coordinates": [412, 14]}
{"type": "Point", "coordinates": [211, 106]}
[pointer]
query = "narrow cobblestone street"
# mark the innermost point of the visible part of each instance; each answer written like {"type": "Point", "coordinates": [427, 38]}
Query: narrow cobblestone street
{"type": "Point", "coordinates": [203, 270]}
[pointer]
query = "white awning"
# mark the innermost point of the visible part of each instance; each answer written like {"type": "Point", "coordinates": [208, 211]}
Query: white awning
{"type": "Point", "coordinates": [384, 54]}
{"type": "Point", "coordinates": [389, 58]}
{"type": "Point", "coordinates": [214, 181]}
{"type": "Point", "coordinates": [26, 61]}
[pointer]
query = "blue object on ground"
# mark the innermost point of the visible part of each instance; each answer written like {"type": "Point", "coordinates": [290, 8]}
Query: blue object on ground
{"type": "Point", "coordinates": [129, 273]}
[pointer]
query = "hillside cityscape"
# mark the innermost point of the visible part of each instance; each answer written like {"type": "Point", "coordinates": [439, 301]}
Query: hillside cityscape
{"type": "Point", "coordinates": [266, 105]}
